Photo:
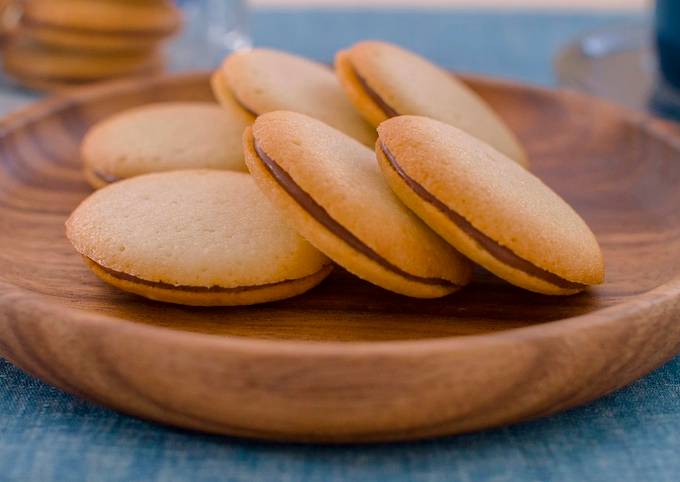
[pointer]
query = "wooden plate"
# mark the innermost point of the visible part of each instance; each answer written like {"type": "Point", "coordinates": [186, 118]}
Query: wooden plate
{"type": "Point", "coordinates": [348, 361]}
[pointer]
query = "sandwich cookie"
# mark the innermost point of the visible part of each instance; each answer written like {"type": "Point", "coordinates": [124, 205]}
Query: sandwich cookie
{"type": "Point", "coordinates": [38, 65]}
{"type": "Point", "coordinates": [95, 42]}
{"type": "Point", "coordinates": [383, 81]}
{"type": "Point", "coordinates": [196, 237]}
{"type": "Point", "coordinates": [100, 25]}
{"type": "Point", "coordinates": [263, 80]}
{"type": "Point", "coordinates": [488, 207]}
{"type": "Point", "coordinates": [163, 137]}
{"type": "Point", "coordinates": [330, 189]}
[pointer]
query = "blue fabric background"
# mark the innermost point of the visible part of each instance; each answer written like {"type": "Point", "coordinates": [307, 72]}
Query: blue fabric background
{"type": "Point", "coordinates": [519, 46]}
{"type": "Point", "coordinates": [632, 435]}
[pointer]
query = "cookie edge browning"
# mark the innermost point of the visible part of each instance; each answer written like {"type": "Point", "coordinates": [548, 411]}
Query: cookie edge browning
{"type": "Point", "coordinates": [355, 92]}
{"type": "Point", "coordinates": [355, 88]}
{"type": "Point", "coordinates": [250, 296]}
{"type": "Point", "coordinates": [167, 19]}
{"type": "Point", "coordinates": [90, 42]}
{"type": "Point", "coordinates": [98, 178]}
{"type": "Point", "coordinates": [224, 96]}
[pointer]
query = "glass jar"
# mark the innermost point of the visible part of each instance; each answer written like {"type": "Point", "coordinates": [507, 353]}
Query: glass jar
{"type": "Point", "coordinates": [212, 29]}
{"type": "Point", "coordinates": [50, 47]}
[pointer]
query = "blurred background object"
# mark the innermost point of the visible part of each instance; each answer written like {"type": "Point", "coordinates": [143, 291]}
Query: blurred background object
{"type": "Point", "coordinates": [469, 4]}
{"type": "Point", "coordinates": [59, 44]}
{"type": "Point", "coordinates": [666, 99]}
{"type": "Point", "coordinates": [636, 64]}
{"type": "Point", "coordinates": [212, 29]}
{"type": "Point", "coordinates": [62, 44]}
{"type": "Point", "coordinates": [617, 63]}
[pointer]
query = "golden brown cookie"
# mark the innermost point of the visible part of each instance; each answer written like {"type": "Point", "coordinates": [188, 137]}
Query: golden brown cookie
{"type": "Point", "coordinates": [488, 207]}
{"type": "Point", "coordinates": [165, 136]}
{"type": "Point", "coordinates": [197, 237]}
{"type": "Point", "coordinates": [383, 81]}
{"type": "Point", "coordinates": [29, 61]}
{"type": "Point", "coordinates": [330, 189]}
{"type": "Point", "coordinates": [263, 80]}
{"type": "Point", "coordinates": [136, 19]}
{"type": "Point", "coordinates": [87, 41]}
{"type": "Point", "coordinates": [99, 26]}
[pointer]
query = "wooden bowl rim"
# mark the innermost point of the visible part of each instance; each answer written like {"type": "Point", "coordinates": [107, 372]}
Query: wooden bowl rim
{"type": "Point", "coordinates": [14, 299]}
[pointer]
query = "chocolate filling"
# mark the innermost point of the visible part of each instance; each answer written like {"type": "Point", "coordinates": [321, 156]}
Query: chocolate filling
{"type": "Point", "coordinates": [195, 289]}
{"type": "Point", "coordinates": [322, 217]}
{"type": "Point", "coordinates": [501, 253]}
{"type": "Point", "coordinates": [384, 106]}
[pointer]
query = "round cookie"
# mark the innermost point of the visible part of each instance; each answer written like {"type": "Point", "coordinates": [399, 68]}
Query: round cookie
{"type": "Point", "coordinates": [87, 41]}
{"type": "Point", "coordinates": [196, 237]}
{"type": "Point", "coordinates": [491, 209]}
{"type": "Point", "coordinates": [30, 61]}
{"type": "Point", "coordinates": [263, 80]}
{"type": "Point", "coordinates": [165, 136]}
{"type": "Point", "coordinates": [331, 190]}
{"type": "Point", "coordinates": [138, 20]}
{"type": "Point", "coordinates": [383, 81]}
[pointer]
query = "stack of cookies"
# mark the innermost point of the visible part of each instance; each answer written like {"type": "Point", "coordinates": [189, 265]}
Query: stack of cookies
{"type": "Point", "coordinates": [64, 43]}
{"type": "Point", "coordinates": [390, 168]}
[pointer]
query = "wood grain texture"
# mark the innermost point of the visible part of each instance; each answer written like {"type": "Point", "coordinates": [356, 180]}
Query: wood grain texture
{"type": "Point", "coordinates": [348, 361]}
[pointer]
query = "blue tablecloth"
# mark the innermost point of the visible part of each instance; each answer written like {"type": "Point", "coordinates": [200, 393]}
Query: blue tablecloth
{"type": "Point", "coordinates": [632, 435]}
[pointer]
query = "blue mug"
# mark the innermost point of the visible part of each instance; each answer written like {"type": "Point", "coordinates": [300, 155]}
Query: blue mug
{"type": "Point", "coordinates": [667, 29]}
